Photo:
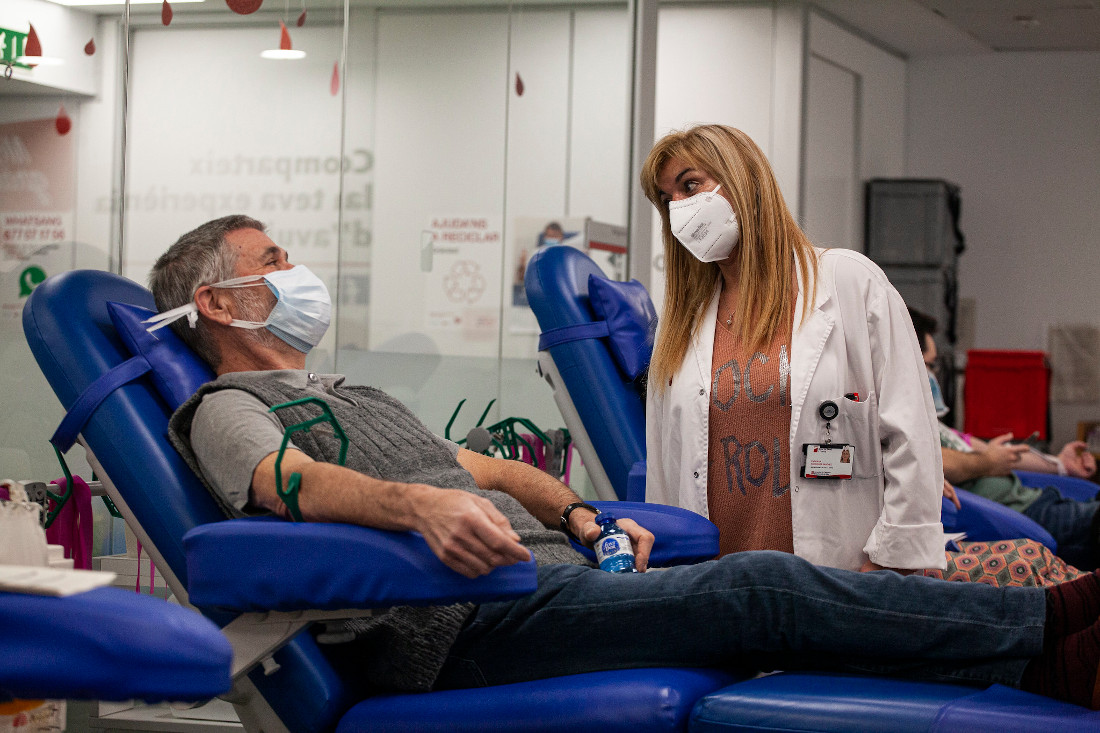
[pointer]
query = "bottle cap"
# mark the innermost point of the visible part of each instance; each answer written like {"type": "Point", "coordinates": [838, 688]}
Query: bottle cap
{"type": "Point", "coordinates": [604, 518]}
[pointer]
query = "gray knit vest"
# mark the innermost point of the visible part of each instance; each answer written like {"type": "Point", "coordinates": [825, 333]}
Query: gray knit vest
{"type": "Point", "coordinates": [387, 441]}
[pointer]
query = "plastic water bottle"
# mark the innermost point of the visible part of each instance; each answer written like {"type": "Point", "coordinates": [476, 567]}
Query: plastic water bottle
{"type": "Point", "coordinates": [613, 549]}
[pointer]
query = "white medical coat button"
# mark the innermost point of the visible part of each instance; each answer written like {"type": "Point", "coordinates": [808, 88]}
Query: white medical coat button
{"type": "Point", "coordinates": [702, 392]}
{"type": "Point", "coordinates": [696, 474]}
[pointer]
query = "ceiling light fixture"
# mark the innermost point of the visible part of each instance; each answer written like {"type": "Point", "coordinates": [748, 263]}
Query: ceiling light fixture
{"type": "Point", "coordinates": [80, 3]}
{"type": "Point", "coordinates": [39, 60]}
{"type": "Point", "coordinates": [284, 52]}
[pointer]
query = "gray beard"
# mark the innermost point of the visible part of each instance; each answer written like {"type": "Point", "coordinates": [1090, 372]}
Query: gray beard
{"type": "Point", "coordinates": [253, 308]}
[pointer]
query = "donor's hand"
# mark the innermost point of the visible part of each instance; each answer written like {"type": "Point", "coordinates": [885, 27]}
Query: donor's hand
{"type": "Point", "coordinates": [468, 533]}
{"type": "Point", "coordinates": [641, 539]}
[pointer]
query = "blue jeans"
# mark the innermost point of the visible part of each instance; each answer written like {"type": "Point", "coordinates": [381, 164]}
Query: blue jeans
{"type": "Point", "coordinates": [749, 611]}
{"type": "Point", "coordinates": [1072, 524]}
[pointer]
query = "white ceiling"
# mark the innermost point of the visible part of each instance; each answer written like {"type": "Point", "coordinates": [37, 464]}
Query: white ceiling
{"type": "Point", "coordinates": [911, 27]}
{"type": "Point", "coordinates": [932, 27]}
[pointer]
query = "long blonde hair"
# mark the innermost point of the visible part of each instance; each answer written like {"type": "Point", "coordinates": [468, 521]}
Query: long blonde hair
{"type": "Point", "coordinates": [771, 243]}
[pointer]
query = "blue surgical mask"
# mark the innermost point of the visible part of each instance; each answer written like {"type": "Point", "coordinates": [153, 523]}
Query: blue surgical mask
{"type": "Point", "coordinates": [937, 396]}
{"type": "Point", "coordinates": [301, 314]}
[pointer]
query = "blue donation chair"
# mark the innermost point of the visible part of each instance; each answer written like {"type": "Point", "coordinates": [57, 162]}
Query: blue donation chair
{"type": "Point", "coordinates": [595, 385]}
{"type": "Point", "coordinates": [266, 581]}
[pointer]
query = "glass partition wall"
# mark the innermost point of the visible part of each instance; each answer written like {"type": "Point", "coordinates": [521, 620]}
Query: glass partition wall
{"type": "Point", "coordinates": [413, 155]}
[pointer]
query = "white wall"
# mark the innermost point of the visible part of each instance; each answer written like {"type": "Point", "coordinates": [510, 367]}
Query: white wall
{"type": "Point", "coordinates": [30, 408]}
{"type": "Point", "coordinates": [855, 130]}
{"type": "Point", "coordinates": [439, 130]}
{"type": "Point", "coordinates": [599, 171]}
{"type": "Point", "coordinates": [266, 145]}
{"type": "Point", "coordinates": [749, 77]}
{"type": "Point", "coordinates": [456, 141]}
{"type": "Point", "coordinates": [1018, 132]}
{"type": "Point", "coordinates": [63, 33]}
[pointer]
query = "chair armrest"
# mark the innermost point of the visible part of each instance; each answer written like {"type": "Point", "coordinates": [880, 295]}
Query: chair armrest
{"type": "Point", "coordinates": [1080, 489]}
{"type": "Point", "coordinates": [681, 537]}
{"type": "Point", "coordinates": [266, 564]}
{"type": "Point", "coordinates": [984, 521]}
{"type": "Point", "coordinates": [109, 644]}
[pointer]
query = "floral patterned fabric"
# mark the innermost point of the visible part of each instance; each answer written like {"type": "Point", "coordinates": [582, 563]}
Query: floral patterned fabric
{"type": "Point", "coordinates": [1020, 562]}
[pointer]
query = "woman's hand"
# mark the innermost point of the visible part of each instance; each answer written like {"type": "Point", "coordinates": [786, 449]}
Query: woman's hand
{"type": "Point", "coordinates": [949, 492]}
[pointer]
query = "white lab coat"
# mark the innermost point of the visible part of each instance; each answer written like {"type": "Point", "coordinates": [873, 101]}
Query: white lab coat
{"type": "Point", "coordinates": [858, 337]}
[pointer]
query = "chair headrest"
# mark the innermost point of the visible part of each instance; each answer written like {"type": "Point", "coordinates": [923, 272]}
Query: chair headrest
{"type": "Point", "coordinates": [177, 371]}
{"type": "Point", "coordinates": [631, 321]}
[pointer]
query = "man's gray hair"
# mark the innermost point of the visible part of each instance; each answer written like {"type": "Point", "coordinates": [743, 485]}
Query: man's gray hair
{"type": "Point", "coordinates": [198, 258]}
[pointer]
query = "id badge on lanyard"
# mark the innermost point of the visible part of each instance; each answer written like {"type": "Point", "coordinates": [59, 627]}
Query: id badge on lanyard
{"type": "Point", "coordinates": [828, 460]}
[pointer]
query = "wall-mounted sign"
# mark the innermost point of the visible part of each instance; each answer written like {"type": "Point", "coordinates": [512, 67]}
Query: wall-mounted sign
{"type": "Point", "coordinates": [463, 293]}
{"type": "Point", "coordinates": [12, 44]}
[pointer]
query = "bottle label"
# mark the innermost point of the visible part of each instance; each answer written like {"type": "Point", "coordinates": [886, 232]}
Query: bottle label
{"type": "Point", "coordinates": [614, 552]}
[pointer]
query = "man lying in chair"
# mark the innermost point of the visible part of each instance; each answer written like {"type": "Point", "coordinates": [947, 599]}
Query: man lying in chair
{"type": "Point", "coordinates": [767, 609]}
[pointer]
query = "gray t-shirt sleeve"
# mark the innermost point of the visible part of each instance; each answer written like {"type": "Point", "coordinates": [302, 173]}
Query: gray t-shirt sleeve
{"type": "Point", "coordinates": [231, 433]}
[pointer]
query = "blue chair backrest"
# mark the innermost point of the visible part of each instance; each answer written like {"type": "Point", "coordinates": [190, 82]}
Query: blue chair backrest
{"type": "Point", "coordinates": [71, 334]}
{"type": "Point", "coordinates": [557, 290]}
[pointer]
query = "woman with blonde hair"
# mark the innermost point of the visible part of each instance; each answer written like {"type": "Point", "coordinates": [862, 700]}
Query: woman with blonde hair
{"type": "Point", "coordinates": [772, 358]}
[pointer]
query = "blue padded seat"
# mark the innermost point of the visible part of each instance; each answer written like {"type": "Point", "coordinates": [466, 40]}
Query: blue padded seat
{"type": "Point", "coordinates": [626, 701]}
{"type": "Point", "coordinates": [109, 644]}
{"type": "Point", "coordinates": [839, 703]}
{"type": "Point", "coordinates": [1071, 487]}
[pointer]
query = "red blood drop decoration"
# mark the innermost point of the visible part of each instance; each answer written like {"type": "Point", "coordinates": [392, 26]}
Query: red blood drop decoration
{"type": "Point", "coordinates": [63, 123]}
{"type": "Point", "coordinates": [89, 47]}
{"type": "Point", "coordinates": [284, 39]}
{"type": "Point", "coordinates": [244, 7]}
{"type": "Point", "coordinates": [334, 86]}
{"type": "Point", "coordinates": [302, 19]}
{"type": "Point", "coordinates": [519, 85]}
{"type": "Point", "coordinates": [165, 13]}
{"type": "Point", "coordinates": [33, 47]}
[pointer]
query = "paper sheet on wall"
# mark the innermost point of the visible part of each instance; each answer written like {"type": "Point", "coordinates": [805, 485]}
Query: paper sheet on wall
{"type": "Point", "coordinates": [462, 297]}
{"type": "Point", "coordinates": [1074, 362]}
{"type": "Point", "coordinates": [36, 209]}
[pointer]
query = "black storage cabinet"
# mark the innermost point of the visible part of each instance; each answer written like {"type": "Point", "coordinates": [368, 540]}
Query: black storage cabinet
{"type": "Point", "coordinates": [912, 232]}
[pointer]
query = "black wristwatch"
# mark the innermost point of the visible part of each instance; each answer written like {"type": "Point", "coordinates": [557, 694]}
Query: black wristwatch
{"type": "Point", "coordinates": [565, 518]}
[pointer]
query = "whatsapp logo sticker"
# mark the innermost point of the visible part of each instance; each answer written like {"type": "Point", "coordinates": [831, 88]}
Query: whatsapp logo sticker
{"type": "Point", "coordinates": [29, 278]}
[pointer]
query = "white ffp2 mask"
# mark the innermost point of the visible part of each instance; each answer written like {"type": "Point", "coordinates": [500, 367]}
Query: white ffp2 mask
{"type": "Point", "coordinates": [706, 225]}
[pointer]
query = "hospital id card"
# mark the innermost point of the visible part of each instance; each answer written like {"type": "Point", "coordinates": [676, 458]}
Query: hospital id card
{"type": "Point", "coordinates": [828, 460]}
